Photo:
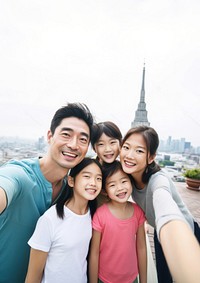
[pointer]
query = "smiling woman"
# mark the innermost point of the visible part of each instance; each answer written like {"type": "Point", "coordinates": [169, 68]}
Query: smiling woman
{"type": "Point", "coordinates": [156, 194]}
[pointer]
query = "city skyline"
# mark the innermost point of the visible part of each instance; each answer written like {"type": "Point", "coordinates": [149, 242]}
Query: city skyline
{"type": "Point", "coordinates": [93, 52]}
{"type": "Point", "coordinates": [4, 139]}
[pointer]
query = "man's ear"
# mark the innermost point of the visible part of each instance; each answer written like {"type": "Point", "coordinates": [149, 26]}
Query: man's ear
{"type": "Point", "coordinates": [70, 181]}
{"type": "Point", "coordinates": [49, 136]}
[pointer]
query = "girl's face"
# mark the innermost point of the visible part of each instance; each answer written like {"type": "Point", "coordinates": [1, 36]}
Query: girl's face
{"type": "Point", "coordinates": [87, 184]}
{"type": "Point", "coordinates": [118, 187]}
{"type": "Point", "coordinates": [107, 148]}
{"type": "Point", "coordinates": [134, 154]}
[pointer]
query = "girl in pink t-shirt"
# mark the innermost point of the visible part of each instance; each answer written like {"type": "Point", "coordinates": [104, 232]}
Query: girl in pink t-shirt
{"type": "Point", "coordinates": [118, 247]}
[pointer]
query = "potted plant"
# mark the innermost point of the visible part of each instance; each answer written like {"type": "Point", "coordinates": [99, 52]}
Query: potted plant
{"type": "Point", "coordinates": [192, 178]}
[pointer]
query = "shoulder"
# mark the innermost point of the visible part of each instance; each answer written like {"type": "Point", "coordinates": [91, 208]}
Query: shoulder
{"type": "Point", "coordinates": [12, 178]}
{"type": "Point", "coordinates": [101, 209]}
{"type": "Point", "coordinates": [137, 208]}
{"type": "Point", "coordinates": [139, 214]}
{"type": "Point", "coordinates": [101, 218]}
{"type": "Point", "coordinates": [101, 213]}
{"type": "Point", "coordinates": [159, 179]}
{"type": "Point", "coordinates": [23, 162]}
{"type": "Point", "coordinates": [21, 167]}
{"type": "Point", "coordinates": [160, 174]}
{"type": "Point", "coordinates": [50, 212]}
{"type": "Point", "coordinates": [50, 217]}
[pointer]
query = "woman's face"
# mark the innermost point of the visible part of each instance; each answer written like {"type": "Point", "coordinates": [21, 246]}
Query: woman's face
{"type": "Point", "coordinates": [133, 155]}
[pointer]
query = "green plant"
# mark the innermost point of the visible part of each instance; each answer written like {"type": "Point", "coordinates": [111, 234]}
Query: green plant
{"type": "Point", "coordinates": [164, 163]}
{"type": "Point", "coordinates": [192, 173]}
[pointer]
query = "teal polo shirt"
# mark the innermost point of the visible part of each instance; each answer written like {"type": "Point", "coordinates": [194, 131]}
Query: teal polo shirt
{"type": "Point", "coordinates": [29, 195]}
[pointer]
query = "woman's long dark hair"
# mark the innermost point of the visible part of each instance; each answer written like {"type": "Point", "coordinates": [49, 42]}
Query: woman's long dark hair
{"type": "Point", "coordinates": [151, 139]}
{"type": "Point", "coordinates": [67, 193]}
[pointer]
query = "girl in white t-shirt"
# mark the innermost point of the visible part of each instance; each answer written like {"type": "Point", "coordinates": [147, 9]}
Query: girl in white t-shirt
{"type": "Point", "coordinates": [60, 242]}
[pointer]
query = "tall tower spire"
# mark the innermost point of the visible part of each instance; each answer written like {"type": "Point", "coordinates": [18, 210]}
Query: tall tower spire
{"type": "Point", "coordinates": [141, 112]}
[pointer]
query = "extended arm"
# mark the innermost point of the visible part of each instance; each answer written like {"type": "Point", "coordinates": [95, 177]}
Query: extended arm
{"type": "Point", "coordinates": [94, 256]}
{"type": "Point", "coordinates": [142, 254]}
{"type": "Point", "coordinates": [3, 200]}
{"type": "Point", "coordinates": [182, 251]}
{"type": "Point", "coordinates": [36, 266]}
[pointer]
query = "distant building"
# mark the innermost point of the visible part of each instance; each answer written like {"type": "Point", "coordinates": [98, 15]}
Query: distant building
{"type": "Point", "coordinates": [141, 112]}
{"type": "Point", "coordinates": [41, 143]}
{"type": "Point", "coordinates": [175, 145]}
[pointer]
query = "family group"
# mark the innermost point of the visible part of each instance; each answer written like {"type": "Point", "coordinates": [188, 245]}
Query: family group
{"type": "Point", "coordinates": [69, 218]}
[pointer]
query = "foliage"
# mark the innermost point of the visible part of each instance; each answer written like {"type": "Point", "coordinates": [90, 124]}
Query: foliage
{"type": "Point", "coordinates": [164, 163]}
{"type": "Point", "coordinates": [193, 173]}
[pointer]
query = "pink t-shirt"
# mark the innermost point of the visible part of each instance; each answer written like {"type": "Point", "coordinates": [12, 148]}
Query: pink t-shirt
{"type": "Point", "coordinates": [118, 258]}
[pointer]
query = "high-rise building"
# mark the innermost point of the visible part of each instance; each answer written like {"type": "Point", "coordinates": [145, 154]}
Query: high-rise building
{"type": "Point", "coordinates": [141, 112]}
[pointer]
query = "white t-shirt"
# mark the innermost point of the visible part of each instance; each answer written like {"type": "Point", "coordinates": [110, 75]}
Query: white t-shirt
{"type": "Point", "coordinates": [66, 241]}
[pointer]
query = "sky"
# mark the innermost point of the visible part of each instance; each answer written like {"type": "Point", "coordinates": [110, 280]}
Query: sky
{"type": "Point", "coordinates": [54, 52]}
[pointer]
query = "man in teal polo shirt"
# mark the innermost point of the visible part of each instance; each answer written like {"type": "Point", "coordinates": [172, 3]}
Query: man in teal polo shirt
{"type": "Point", "coordinates": [29, 187]}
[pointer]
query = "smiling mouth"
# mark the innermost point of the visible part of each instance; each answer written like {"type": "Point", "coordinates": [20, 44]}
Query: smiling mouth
{"type": "Point", "coordinates": [122, 195]}
{"type": "Point", "coordinates": [129, 163]}
{"type": "Point", "coordinates": [69, 154]}
{"type": "Point", "coordinates": [108, 156]}
{"type": "Point", "coordinates": [91, 191]}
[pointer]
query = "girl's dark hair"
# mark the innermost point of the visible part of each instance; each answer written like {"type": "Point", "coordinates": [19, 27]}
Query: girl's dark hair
{"type": "Point", "coordinates": [108, 128]}
{"type": "Point", "coordinates": [78, 110]}
{"type": "Point", "coordinates": [111, 168]}
{"type": "Point", "coordinates": [151, 139]}
{"type": "Point", "coordinates": [67, 192]}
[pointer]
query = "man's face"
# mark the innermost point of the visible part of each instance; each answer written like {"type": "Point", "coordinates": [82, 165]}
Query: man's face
{"type": "Point", "coordinates": [69, 143]}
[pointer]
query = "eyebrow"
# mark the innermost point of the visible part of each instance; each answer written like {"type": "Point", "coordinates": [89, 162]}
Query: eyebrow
{"type": "Point", "coordinates": [110, 182]}
{"type": "Point", "coordinates": [137, 146]}
{"type": "Point", "coordinates": [71, 130]}
{"type": "Point", "coordinates": [143, 147]}
{"type": "Point", "coordinates": [90, 172]}
{"type": "Point", "coordinates": [109, 140]}
{"type": "Point", "coordinates": [114, 181]}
